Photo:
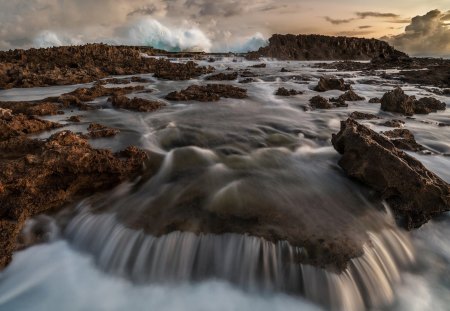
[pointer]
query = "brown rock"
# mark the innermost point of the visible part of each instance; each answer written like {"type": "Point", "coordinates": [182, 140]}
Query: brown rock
{"type": "Point", "coordinates": [319, 102]}
{"type": "Point", "coordinates": [42, 108]}
{"type": "Point", "coordinates": [393, 123]}
{"type": "Point", "coordinates": [374, 100]}
{"type": "Point", "coordinates": [136, 104]}
{"type": "Point", "coordinates": [350, 95]}
{"type": "Point", "coordinates": [262, 65]}
{"type": "Point", "coordinates": [285, 92]}
{"type": "Point", "coordinates": [209, 92]}
{"type": "Point", "coordinates": [403, 139]}
{"type": "Point", "coordinates": [427, 105]}
{"type": "Point", "coordinates": [222, 76]}
{"type": "Point", "coordinates": [362, 116]}
{"type": "Point", "coordinates": [75, 119]}
{"type": "Point", "coordinates": [413, 193]}
{"type": "Point", "coordinates": [18, 125]}
{"type": "Point", "coordinates": [165, 69]}
{"type": "Point", "coordinates": [398, 101]}
{"type": "Point", "coordinates": [329, 83]}
{"type": "Point", "coordinates": [98, 131]}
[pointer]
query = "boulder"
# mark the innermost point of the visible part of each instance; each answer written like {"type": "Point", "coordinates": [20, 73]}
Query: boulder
{"type": "Point", "coordinates": [414, 194]}
{"type": "Point", "coordinates": [329, 83]}
{"type": "Point", "coordinates": [209, 92]}
{"type": "Point", "coordinates": [285, 92]}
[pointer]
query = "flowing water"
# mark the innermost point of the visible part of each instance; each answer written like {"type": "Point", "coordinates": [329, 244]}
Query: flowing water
{"type": "Point", "coordinates": [248, 209]}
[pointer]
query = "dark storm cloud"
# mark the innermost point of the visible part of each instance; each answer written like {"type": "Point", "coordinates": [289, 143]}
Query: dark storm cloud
{"type": "Point", "coordinates": [425, 35]}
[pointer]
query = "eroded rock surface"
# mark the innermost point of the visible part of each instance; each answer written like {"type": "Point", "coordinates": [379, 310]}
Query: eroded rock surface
{"type": "Point", "coordinates": [414, 193]}
{"type": "Point", "coordinates": [209, 92]}
{"type": "Point", "coordinates": [285, 92]}
{"type": "Point", "coordinates": [222, 76]}
{"type": "Point", "coordinates": [330, 83]}
{"type": "Point", "coordinates": [404, 139]}
{"type": "Point", "coordinates": [136, 104]}
{"type": "Point", "coordinates": [357, 115]}
{"type": "Point", "coordinates": [397, 101]}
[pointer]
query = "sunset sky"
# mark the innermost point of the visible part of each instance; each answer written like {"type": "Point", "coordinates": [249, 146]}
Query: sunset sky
{"type": "Point", "coordinates": [222, 25]}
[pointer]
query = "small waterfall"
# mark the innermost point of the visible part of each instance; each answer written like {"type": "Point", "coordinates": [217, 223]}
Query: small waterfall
{"type": "Point", "coordinates": [250, 262]}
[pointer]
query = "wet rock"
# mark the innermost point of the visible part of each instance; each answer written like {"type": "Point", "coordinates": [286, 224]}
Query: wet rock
{"type": "Point", "coordinates": [179, 71]}
{"type": "Point", "coordinates": [247, 80]}
{"type": "Point", "coordinates": [98, 131]}
{"type": "Point", "coordinates": [403, 139]}
{"type": "Point", "coordinates": [89, 94]}
{"type": "Point", "coordinates": [393, 123]}
{"type": "Point", "coordinates": [319, 102]}
{"type": "Point", "coordinates": [5, 114]}
{"type": "Point", "coordinates": [17, 125]}
{"type": "Point", "coordinates": [209, 92]}
{"type": "Point", "coordinates": [284, 70]}
{"type": "Point", "coordinates": [136, 104]}
{"type": "Point", "coordinates": [247, 74]}
{"type": "Point", "coordinates": [329, 83]}
{"type": "Point", "coordinates": [428, 105]}
{"type": "Point", "coordinates": [139, 80]}
{"type": "Point", "coordinates": [222, 77]}
{"type": "Point", "coordinates": [262, 65]}
{"type": "Point", "coordinates": [285, 92]}
{"type": "Point", "coordinates": [363, 116]}
{"type": "Point", "coordinates": [51, 174]}
{"type": "Point", "coordinates": [397, 101]}
{"type": "Point", "coordinates": [350, 96]}
{"type": "Point", "coordinates": [414, 194]}
{"type": "Point", "coordinates": [75, 119]}
{"type": "Point", "coordinates": [42, 108]}
{"type": "Point", "coordinates": [375, 100]}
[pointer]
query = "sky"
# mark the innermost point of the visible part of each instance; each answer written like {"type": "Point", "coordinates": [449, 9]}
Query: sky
{"type": "Point", "coordinates": [418, 27]}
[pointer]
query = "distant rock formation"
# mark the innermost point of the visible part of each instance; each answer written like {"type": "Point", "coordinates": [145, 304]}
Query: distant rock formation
{"type": "Point", "coordinates": [318, 47]}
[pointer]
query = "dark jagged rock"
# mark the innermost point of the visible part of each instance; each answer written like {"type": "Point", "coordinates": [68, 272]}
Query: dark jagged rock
{"type": "Point", "coordinates": [330, 83]}
{"type": "Point", "coordinates": [284, 70]}
{"type": "Point", "coordinates": [136, 104]}
{"type": "Point", "coordinates": [397, 101]}
{"type": "Point", "coordinates": [16, 125]}
{"type": "Point", "coordinates": [350, 96]}
{"type": "Point", "coordinates": [363, 116]}
{"type": "Point", "coordinates": [262, 65]}
{"type": "Point", "coordinates": [285, 92]}
{"type": "Point", "coordinates": [38, 176]}
{"type": "Point", "coordinates": [403, 139]}
{"type": "Point", "coordinates": [393, 123]}
{"type": "Point", "coordinates": [75, 119]}
{"type": "Point", "coordinates": [179, 71]}
{"type": "Point", "coordinates": [98, 131]}
{"type": "Point", "coordinates": [375, 100]}
{"type": "Point", "coordinates": [40, 108]}
{"type": "Point", "coordinates": [209, 92]}
{"type": "Point", "coordinates": [414, 194]}
{"type": "Point", "coordinates": [223, 76]}
{"type": "Point", "coordinates": [317, 47]}
{"type": "Point", "coordinates": [319, 102]}
{"type": "Point", "coordinates": [247, 80]}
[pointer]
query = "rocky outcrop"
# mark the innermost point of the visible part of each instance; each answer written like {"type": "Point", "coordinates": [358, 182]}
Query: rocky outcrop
{"type": "Point", "coordinates": [40, 108]}
{"type": "Point", "coordinates": [317, 47]}
{"type": "Point", "coordinates": [82, 64]}
{"type": "Point", "coordinates": [403, 139]}
{"type": "Point", "coordinates": [223, 77]}
{"type": "Point", "coordinates": [414, 194]}
{"type": "Point", "coordinates": [319, 102]}
{"type": "Point", "coordinates": [397, 101]}
{"type": "Point", "coordinates": [98, 131]}
{"type": "Point", "coordinates": [350, 96]}
{"type": "Point", "coordinates": [285, 92]}
{"type": "Point", "coordinates": [393, 123]}
{"type": "Point", "coordinates": [357, 115]}
{"type": "Point", "coordinates": [330, 83]}
{"type": "Point", "coordinates": [17, 125]}
{"type": "Point", "coordinates": [209, 92]}
{"type": "Point", "coordinates": [135, 104]}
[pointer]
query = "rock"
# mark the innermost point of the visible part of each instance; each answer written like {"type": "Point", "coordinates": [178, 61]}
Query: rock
{"type": "Point", "coordinates": [41, 108]}
{"type": "Point", "coordinates": [328, 83]}
{"type": "Point", "coordinates": [350, 95]}
{"type": "Point", "coordinates": [247, 74]}
{"type": "Point", "coordinates": [398, 101]}
{"type": "Point", "coordinates": [51, 174]}
{"type": "Point", "coordinates": [403, 139]}
{"type": "Point", "coordinates": [318, 47]}
{"type": "Point", "coordinates": [284, 70]}
{"type": "Point", "coordinates": [139, 80]}
{"type": "Point", "coordinates": [75, 119]}
{"type": "Point", "coordinates": [427, 105]}
{"type": "Point", "coordinates": [393, 123]}
{"type": "Point", "coordinates": [319, 102]}
{"type": "Point", "coordinates": [98, 131]}
{"type": "Point", "coordinates": [136, 104]}
{"type": "Point", "coordinates": [414, 194]}
{"type": "Point", "coordinates": [262, 65]}
{"type": "Point", "coordinates": [179, 71]}
{"type": "Point", "coordinates": [17, 125]}
{"type": "Point", "coordinates": [285, 92]}
{"type": "Point", "coordinates": [374, 100]}
{"type": "Point", "coordinates": [5, 114]}
{"type": "Point", "coordinates": [209, 92]}
{"type": "Point", "coordinates": [247, 80]}
{"type": "Point", "coordinates": [222, 76]}
{"type": "Point", "coordinates": [362, 116]}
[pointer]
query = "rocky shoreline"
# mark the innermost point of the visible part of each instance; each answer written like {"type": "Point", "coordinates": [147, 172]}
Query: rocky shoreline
{"type": "Point", "coordinates": [45, 175]}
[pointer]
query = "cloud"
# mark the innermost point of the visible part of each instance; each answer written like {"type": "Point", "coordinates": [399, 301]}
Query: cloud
{"type": "Point", "coordinates": [376, 14]}
{"type": "Point", "coordinates": [338, 21]}
{"type": "Point", "coordinates": [426, 35]}
{"type": "Point", "coordinates": [365, 27]}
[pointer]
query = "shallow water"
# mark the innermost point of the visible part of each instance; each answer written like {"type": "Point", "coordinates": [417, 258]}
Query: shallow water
{"type": "Point", "coordinates": [267, 158]}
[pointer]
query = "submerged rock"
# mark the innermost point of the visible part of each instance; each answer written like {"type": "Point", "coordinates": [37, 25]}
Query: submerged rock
{"type": "Point", "coordinates": [394, 123]}
{"type": "Point", "coordinates": [397, 101]}
{"type": "Point", "coordinates": [357, 115]}
{"type": "Point", "coordinates": [329, 83]}
{"type": "Point", "coordinates": [98, 131]}
{"type": "Point", "coordinates": [414, 194]}
{"type": "Point", "coordinates": [40, 108]}
{"type": "Point", "coordinates": [285, 92]}
{"type": "Point", "coordinates": [209, 92]}
{"type": "Point", "coordinates": [375, 100]}
{"type": "Point", "coordinates": [350, 96]}
{"type": "Point", "coordinates": [136, 104]}
{"type": "Point", "coordinates": [262, 65]}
